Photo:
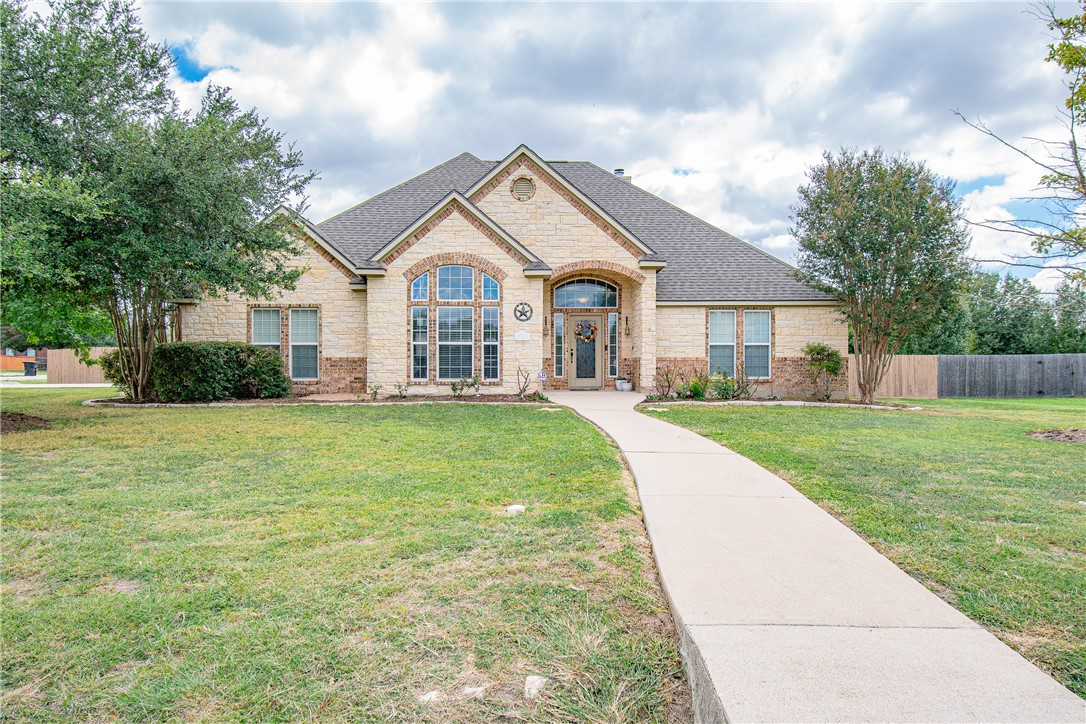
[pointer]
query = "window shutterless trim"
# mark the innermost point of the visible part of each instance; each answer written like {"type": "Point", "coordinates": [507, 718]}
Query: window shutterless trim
{"type": "Point", "coordinates": [559, 345]}
{"type": "Point", "coordinates": [315, 345]}
{"type": "Point", "coordinates": [725, 343]}
{"type": "Point", "coordinates": [767, 344]}
{"type": "Point", "coordinates": [441, 345]}
{"type": "Point", "coordinates": [612, 344]}
{"type": "Point", "coordinates": [424, 344]}
{"type": "Point", "coordinates": [278, 343]}
{"type": "Point", "coordinates": [494, 343]}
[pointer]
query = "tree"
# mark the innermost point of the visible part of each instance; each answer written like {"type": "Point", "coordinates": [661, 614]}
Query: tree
{"type": "Point", "coordinates": [158, 203]}
{"type": "Point", "coordinates": [885, 236]}
{"type": "Point", "coordinates": [1008, 316]}
{"type": "Point", "coordinates": [1069, 333]}
{"type": "Point", "coordinates": [1056, 232]}
{"type": "Point", "coordinates": [947, 335]}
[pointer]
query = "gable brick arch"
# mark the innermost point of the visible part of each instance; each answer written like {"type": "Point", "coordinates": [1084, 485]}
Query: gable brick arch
{"type": "Point", "coordinates": [592, 265]}
{"type": "Point", "coordinates": [458, 258]}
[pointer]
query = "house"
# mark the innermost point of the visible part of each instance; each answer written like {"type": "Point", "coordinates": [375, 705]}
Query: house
{"type": "Point", "coordinates": [486, 268]}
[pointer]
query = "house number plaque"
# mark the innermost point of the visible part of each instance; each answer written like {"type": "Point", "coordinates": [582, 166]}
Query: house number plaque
{"type": "Point", "coordinates": [523, 312]}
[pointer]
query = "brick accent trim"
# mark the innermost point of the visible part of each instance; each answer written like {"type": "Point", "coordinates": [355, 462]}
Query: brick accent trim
{"type": "Point", "coordinates": [596, 265]}
{"type": "Point", "coordinates": [324, 253]}
{"type": "Point", "coordinates": [548, 178]}
{"type": "Point", "coordinates": [468, 216]}
{"type": "Point", "coordinates": [454, 257]}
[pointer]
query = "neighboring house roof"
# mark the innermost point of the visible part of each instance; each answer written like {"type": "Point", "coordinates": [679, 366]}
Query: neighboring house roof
{"type": "Point", "coordinates": [704, 263]}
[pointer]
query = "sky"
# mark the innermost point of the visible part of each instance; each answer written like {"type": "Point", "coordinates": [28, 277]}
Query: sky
{"type": "Point", "coordinates": [720, 108]}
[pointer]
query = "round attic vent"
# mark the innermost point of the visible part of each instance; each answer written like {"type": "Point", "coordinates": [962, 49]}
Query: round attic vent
{"type": "Point", "coordinates": [523, 189]}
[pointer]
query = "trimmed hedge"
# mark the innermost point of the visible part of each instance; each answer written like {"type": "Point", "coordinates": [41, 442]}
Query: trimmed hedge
{"type": "Point", "coordinates": [209, 372]}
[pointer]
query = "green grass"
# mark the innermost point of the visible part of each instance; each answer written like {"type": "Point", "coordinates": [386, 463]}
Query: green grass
{"type": "Point", "coordinates": [957, 495]}
{"type": "Point", "coordinates": [283, 563]}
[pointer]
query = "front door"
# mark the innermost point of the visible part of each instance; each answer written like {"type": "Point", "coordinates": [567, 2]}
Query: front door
{"type": "Point", "coordinates": [586, 335]}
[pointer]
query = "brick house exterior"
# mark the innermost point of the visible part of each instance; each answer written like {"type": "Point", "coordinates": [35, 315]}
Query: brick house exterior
{"type": "Point", "coordinates": [487, 268]}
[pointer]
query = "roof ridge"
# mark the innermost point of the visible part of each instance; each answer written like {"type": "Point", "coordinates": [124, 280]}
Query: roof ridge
{"type": "Point", "coordinates": [683, 211]}
{"type": "Point", "coordinates": [402, 184]}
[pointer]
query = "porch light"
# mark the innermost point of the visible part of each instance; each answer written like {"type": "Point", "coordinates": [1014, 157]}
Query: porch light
{"type": "Point", "coordinates": [627, 328]}
{"type": "Point", "coordinates": [546, 331]}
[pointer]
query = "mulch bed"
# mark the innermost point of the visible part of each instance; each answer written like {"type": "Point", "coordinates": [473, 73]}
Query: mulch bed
{"type": "Point", "coordinates": [18, 422]}
{"type": "Point", "coordinates": [1072, 434]}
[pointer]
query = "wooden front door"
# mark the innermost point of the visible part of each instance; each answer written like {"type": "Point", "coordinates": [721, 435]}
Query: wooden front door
{"type": "Point", "coordinates": [585, 350]}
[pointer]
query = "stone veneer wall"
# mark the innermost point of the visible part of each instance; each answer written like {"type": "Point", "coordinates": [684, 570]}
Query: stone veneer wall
{"type": "Point", "coordinates": [325, 286]}
{"type": "Point", "coordinates": [563, 232]}
{"type": "Point", "coordinates": [683, 341]}
{"type": "Point", "coordinates": [454, 239]}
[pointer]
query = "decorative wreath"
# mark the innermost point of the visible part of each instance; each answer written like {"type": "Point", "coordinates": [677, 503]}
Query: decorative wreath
{"type": "Point", "coordinates": [585, 331]}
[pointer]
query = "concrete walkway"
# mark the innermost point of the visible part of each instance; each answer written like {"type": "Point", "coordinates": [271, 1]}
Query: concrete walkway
{"type": "Point", "coordinates": [786, 615]}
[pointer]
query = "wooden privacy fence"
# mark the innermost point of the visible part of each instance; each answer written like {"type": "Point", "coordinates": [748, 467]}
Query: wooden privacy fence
{"type": "Point", "coordinates": [1012, 375]}
{"type": "Point", "coordinates": [66, 369]}
{"type": "Point", "coordinates": [914, 376]}
{"type": "Point", "coordinates": [926, 376]}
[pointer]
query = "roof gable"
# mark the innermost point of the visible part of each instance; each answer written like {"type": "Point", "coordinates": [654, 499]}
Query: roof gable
{"type": "Point", "coordinates": [524, 156]}
{"type": "Point", "coordinates": [454, 202]}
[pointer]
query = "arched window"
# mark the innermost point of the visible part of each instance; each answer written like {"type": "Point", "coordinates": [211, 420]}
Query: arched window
{"type": "Point", "coordinates": [455, 329]}
{"type": "Point", "coordinates": [585, 294]}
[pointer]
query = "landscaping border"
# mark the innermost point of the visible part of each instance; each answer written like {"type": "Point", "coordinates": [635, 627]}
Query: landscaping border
{"type": "Point", "coordinates": [114, 402]}
{"type": "Point", "coordinates": [782, 403]}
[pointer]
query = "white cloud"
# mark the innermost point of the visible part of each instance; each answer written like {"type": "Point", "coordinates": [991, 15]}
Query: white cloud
{"type": "Point", "coordinates": [745, 97]}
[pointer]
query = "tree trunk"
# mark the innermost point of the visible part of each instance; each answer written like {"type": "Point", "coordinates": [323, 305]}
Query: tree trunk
{"type": "Point", "coordinates": [138, 320]}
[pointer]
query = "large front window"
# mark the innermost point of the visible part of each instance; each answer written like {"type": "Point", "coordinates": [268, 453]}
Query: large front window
{"type": "Point", "coordinates": [455, 349]}
{"type": "Point", "coordinates": [586, 294]}
{"type": "Point", "coordinates": [455, 325]}
{"type": "Point", "coordinates": [304, 335]}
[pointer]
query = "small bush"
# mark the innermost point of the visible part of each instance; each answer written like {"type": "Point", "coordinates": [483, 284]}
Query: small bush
{"type": "Point", "coordinates": [824, 365]}
{"type": "Point", "coordinates": [721, 386]}
{"type": "Point", "coordinates": [212, 371]}
{"type": "Point", "coordinates": [464, 384]}
{"type": "Point", "coordinates": [697, 383]}
{"type": "Point", "coordinates": [110, 363]}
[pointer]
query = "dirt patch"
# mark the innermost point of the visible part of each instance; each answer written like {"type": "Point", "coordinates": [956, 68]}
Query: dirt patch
{"type": "Point", "coordinates": [1071, 434]}
{"type": "Point", "coordinates": [18, 422]}
{"type": "Point", "coordinates": [122, 585]}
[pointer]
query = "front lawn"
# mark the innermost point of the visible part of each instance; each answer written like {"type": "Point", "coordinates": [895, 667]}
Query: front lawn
{"type": "Point", "coordinates": [285, 563]}
{"type": "Point", "coordinates": [957, 495]}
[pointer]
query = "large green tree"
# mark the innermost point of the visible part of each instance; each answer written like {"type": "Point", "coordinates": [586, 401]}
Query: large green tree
{"type": "Point", "coordinates": [886, 237]}
{"type": "Point", "coordinates": [129, 202]}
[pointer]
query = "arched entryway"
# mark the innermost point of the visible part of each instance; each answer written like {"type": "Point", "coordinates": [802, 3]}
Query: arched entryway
{"type": "Point", "coordinates": [590, 310]}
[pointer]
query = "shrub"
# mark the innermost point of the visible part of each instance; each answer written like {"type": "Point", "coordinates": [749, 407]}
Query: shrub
{"type": "Point", "coordinates": [464, 384]}
{"type": "Point", "coordinates": [824, 365]}
{"type": "Point", "coordinates": [110, 363]}
{"type": "Point", "coordinates": [697, 383]}
{"type": "Point", "coordinates": [211, 371]}
{"type": "Point", "coordinates": [721, 386]}
{"type": "Point", "coordinates": [665, 379]}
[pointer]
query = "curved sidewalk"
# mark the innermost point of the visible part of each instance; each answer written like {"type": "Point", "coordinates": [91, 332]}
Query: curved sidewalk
{"type": "Point", "coordinates": [785, 614]}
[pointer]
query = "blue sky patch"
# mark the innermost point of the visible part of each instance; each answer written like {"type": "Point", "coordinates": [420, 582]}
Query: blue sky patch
{"type": "Point", "coordinates": [683, 171]}
{"type": "Point", "coordinates": [976, 184]}
{"type": "Point", "coordinates": [187, 67]}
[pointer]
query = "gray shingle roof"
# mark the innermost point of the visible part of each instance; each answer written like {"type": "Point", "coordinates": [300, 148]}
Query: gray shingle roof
{"type": "Point", "coordinates": [704, 263]}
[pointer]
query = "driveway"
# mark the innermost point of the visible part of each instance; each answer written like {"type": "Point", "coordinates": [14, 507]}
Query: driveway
{"type": "Point", "coordinates": [785, 614]}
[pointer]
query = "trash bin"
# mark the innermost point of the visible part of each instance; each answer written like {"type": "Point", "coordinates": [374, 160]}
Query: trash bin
{"type": "Point", "coordinates": [30, 369]}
